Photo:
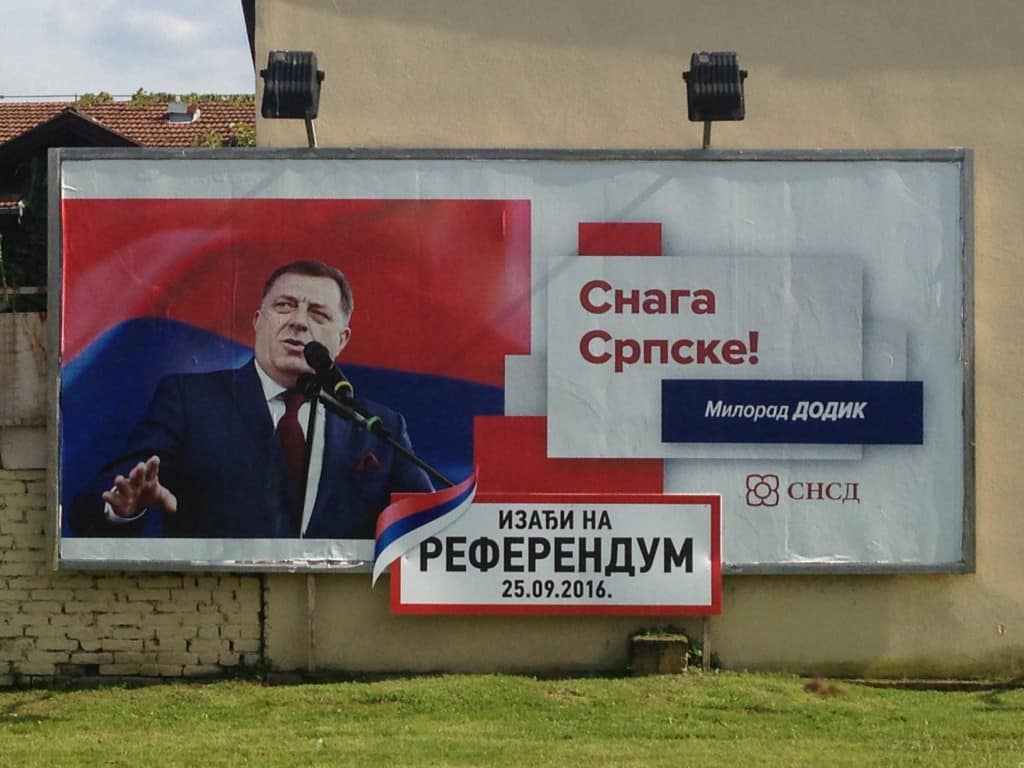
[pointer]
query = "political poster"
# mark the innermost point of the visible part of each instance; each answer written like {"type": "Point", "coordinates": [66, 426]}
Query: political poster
{"type": "Point", "coordinates": [787, 332]}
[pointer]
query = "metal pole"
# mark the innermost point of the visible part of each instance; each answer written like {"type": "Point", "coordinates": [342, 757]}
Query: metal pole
{"type": "Point", "coordinates": [310, 133]}
{"type": "Point", "coordinates": [707, 134]}
{"type": "Point", "coordinates": [706, 643]}
{"type": "Point", "coordinates": [311, 621]}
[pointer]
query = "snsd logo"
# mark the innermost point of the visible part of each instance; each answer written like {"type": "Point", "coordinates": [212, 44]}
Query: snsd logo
{"type": "Point", "coordinates": [762, 490]}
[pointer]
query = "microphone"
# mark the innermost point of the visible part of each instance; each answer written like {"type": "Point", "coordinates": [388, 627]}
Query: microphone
{"type": "Point", "coordinates": [331, 379]}
{"type": "Point", "coordinates": [308, 384]}
{"type": "Point", "coordinates": [339, 397]}
{"type": "Point", "coordinates": [338, 388]}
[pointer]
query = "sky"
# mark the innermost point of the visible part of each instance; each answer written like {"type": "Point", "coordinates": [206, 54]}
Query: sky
{"type": "Point", "coordinates": [66, 48]}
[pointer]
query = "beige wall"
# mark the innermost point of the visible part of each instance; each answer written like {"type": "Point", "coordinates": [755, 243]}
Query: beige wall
{"type": "Point", "coordinates": [582, 73]}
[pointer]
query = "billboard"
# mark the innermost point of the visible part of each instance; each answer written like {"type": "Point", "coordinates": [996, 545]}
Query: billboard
{"type": "Point", "coordinates": [790, 332]}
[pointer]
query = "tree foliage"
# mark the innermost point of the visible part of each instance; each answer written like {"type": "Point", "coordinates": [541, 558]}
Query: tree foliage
{"type": "Point", "coordinates": [91, 99]}
{"type": "Point", "coordinates": [142, 98]}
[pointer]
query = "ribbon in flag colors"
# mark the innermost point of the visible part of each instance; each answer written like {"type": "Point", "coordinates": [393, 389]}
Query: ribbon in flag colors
{"type": "Point", "coordinates": [403, 525]}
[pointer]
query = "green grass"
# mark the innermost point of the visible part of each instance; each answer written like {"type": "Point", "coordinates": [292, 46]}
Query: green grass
{"type": "Point", "coordinates": [461, 720]}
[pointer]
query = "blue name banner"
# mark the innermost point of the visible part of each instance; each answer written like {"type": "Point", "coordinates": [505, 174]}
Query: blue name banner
{"type": "Point", "coordinates": [777, 411]}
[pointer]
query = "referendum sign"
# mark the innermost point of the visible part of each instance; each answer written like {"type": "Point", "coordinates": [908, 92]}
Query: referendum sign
{"type": "Point", "coordinates": [788, 333]}
{"type": "Point", "coordinates": [559, 554]}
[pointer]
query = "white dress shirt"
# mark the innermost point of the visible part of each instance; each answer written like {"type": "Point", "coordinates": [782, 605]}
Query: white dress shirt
{"type": "Point", "coordinates": [274, 394]}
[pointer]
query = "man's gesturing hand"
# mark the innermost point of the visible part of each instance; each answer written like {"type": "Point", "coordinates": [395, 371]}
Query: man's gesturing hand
{"type": "Point", "coordinates": [140, 491]}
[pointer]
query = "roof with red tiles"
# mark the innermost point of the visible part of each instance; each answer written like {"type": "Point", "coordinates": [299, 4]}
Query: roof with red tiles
{"type": "Point", "coordinates": [149, 125]}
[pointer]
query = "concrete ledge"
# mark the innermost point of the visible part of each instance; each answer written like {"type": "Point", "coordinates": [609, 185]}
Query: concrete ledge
{"type": "Point", "coordinates": [23, 447]}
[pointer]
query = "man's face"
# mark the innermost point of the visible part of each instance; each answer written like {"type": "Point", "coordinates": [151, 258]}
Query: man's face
{"type": "Point", "coordinates": [298, 309]}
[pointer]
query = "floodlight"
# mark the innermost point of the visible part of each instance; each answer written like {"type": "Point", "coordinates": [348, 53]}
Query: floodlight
{"type": "Point", "coordinates": [291, 88]}
{"type": "Point", "coordinates": [714, 89]}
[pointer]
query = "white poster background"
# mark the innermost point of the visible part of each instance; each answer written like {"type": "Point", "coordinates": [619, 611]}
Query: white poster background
{"type": "Point", "coordinates": [897, 215]}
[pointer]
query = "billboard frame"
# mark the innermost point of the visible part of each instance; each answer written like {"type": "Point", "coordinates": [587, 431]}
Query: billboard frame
{"type": "Point", "coordinates": [963, 157]}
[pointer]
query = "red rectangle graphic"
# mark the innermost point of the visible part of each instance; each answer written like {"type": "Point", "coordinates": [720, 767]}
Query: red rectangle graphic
{"type": "Point", "coordinates": [619, 238]}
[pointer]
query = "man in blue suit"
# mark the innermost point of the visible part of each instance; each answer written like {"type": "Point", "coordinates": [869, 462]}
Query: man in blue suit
{"type": "Point", "coordinates": [210, 453]}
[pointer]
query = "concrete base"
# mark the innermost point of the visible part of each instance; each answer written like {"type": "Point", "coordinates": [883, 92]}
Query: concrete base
{"type": "Point", "coordinates": [658, 654]}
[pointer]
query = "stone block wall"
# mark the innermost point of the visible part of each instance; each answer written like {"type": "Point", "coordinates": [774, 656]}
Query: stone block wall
{"type": "Point", "coordinates": [56, 625]}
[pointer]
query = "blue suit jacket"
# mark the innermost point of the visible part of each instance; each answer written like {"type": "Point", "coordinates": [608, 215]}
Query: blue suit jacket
{"type": "Point", "coordinates": [219, 455]}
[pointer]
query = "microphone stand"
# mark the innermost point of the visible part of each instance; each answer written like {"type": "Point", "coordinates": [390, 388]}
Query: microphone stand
{"type": "Point", "coordinates": [374, 426]}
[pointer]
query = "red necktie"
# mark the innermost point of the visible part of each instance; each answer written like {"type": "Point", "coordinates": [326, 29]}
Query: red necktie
{"type": "Point", "coordinates": [289, 432]}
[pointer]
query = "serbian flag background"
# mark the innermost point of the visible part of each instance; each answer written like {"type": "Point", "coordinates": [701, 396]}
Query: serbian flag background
{"type": "Point", "coordinates": [158, 286]}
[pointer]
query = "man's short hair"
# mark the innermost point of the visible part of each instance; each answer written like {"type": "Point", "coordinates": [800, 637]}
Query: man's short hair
{"type": "Point", "coordinates": [312, 268]}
